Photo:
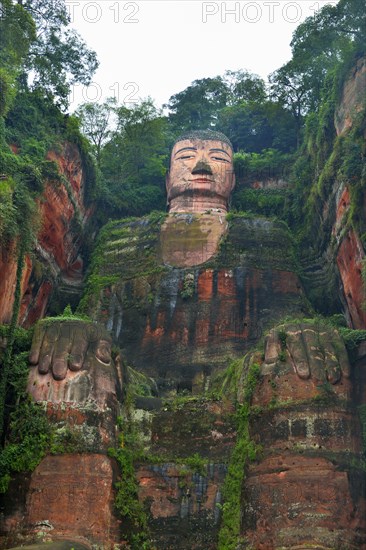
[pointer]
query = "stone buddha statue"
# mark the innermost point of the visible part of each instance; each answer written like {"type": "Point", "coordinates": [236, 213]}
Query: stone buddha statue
{"type": "Point", "coordinates": [181, 295]}
{"type": "Point", "coordinates": [201, 176]}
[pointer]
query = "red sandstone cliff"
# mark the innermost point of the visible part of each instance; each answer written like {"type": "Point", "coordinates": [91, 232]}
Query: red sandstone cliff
{"type": "Point", "coordinates": [350, 254]}
{"type": "Point", "coordinates": [56, 260]}
{"type": "Point", "coordinates": [333, 266]}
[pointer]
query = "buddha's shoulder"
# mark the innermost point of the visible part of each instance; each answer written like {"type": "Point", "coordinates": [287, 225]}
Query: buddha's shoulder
{"type": "Point", "coordinates": [127, 232]}
{"type": "Point", "coordinates": [258, 242]}
{"type": "Point", "coordinates": [127, 247]}
{"type": "Point", "coordinates": [257, 229]}
{"type": "Point", "coordinates": [130, 248]}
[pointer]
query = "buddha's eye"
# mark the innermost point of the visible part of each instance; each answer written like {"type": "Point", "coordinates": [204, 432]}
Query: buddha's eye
{"type": "Point", "coordinates": [220, 159]}
{"type": "Point", "coordinates": [185, 157]}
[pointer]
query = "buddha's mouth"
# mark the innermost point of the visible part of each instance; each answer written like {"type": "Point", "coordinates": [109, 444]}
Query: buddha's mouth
{"type": "Point", "coordinates": [202, 180]}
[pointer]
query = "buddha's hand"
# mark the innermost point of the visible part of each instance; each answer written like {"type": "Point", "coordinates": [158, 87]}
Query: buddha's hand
{"type": "Point", "coordinates": [314, 351]}
{"type": "Point", "coordinates": [59, 346]}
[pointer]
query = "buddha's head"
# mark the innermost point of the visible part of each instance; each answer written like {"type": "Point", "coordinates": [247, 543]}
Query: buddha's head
{"type": "Point", "coordinates": [201, 175]}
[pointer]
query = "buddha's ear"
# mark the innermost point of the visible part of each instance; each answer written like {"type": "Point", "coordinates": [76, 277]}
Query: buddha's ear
{"type": "Point", "coordinates": [233, 180]}
{"type": "Point", "coordinates": [167, 185]}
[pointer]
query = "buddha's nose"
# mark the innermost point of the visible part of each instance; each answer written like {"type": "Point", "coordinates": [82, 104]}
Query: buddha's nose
{"type": "Point", "coordinates": [202, 167]}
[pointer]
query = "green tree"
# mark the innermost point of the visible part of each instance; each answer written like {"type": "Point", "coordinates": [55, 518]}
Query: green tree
{"type": "Point", "coordinates": [253, 126]}
{"type": "Point", "coordinates": [58, 58]}
{"type": "Point", "coordinates": [331, 31]}
{"type": "Point", "coordinates": [133, 162]}
{"type": "Point", "coordinates": [96, 123]}
{"type": "Point", "coordinates": [319, 44]}
{"type": "Point", "coordinates": [17, 32]}
{"type": "Point", "coordinates": [244, 86]}
{"type": "Point", "coordinates": [198, 105]}
{"type": "Point", "coordinates": [291, 87]}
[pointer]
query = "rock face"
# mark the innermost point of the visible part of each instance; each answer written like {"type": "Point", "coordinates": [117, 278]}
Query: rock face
{"type": "Point", "coordinates": [353, 97]}
{"type": "Point", "coordinates": [201, 176]}
{"type": "Point", "coordinates": [309, 426]}
{"type": "Point", "coordinates": [350, 253]}
{"type": "Point", "coordinates": [178, 324]}
{"type": "Point", "coordinates": [182, 495]}
{"type": "Point", "coordinates": [71, 493]}
{"type": "Point", "coordinates": [295, 501]}
{"type": "Point", "coordinates": [350, 262]}
{"type": "Point", "coordinates": [189, 244]}
{"type": "Point", "coordinates": [183, 505]}
{"type": "Point", "coordinates": [75, 497]}
{"type": "Point", "coordinates": [334, 266]}
{"type": "Point", "coordinates": [68, 496]}
{"type": "Point", "coordinates": [311, 471]}
{"type": "Point", "coordinates": [181, 319]}
{"type": "Point", "coordinates": [57, 261]}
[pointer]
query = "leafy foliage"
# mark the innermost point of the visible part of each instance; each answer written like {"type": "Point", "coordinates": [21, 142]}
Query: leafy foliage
{"type": "Point", "coordinates": [331, 30]}
{"type": "Point", "coordinates": [17, 33]}
{"type": "Point", "coordinates": [58, 57]}
{"type": "Point", "coordinates": [29, 441]}
{"type": "Point", "coordinates": [253, 126]}
{"type": "Point", "coordinates": [32, 38]}
{"type": "Point", "coordinates": [28, 433]}
{"type": "Point", "coordinates": [133, 162]}
{"type": "Point", "coordinates": [198, 105]}
{"type": "Point", "coordinates": [126, 500]}
{"type": "Point", "coordinates": [96, 121]}
{"type": "Point", "coordinates": [243, 86]}
{"type": "Point", "coordinates": [265, 202]}
{"type": "Point", "coordinates": [245, 450]}
{"type": "Point", "coordinates": [7, 91]}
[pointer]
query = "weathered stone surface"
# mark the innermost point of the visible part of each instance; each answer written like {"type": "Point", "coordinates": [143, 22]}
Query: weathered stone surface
{"type": "Point", "coordinates": [331, 265]}
{"type": "Point", "coordinates": [180, 322]}
{"type": "Point", "coordinates": [291, 501]}
{"type": "Point", "coordinates": [314, 427]}
{"type": "Point", "coordinates": [343, 205]}
{"type": "Point", "coordinates": [72, 373]}
{"type": "Point", "coordinates": [70, 495]}
{"type": "Point", "coordinates": [353, 97]}
{"type": "Point", "coordinates": [188, 240]}
{"type": "Point", "coordinates": [191, 440]}
{"type": "Point", "coordinates": [60, 545]}
{"type": "Point", "coordinates": [201, 175]}
{"type": "Point", "coordinates": [176, 324]}
{"type": "Point", "coordinates": [66, 497]}
{"type": "Point", "coordinates": [184, 506]}
{"type": "Point", "coordinates": [73, 493]}
{"type": "Point", "coordinates": [57, 256]}
{"type": "Point", "coordinates": [349, 260]}
{"type": "Point", "coordinates": [309, 488]}
{"type": "Point", "coordinates": [204, 427]}
{"type": "Point", "coordinates": [12, 510]}
{"type": "Point", "coordinates": [8, 268]}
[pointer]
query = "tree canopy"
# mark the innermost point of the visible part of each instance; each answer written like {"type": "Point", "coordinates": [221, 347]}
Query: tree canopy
{"type": "Point", "coordinates": [95, 119]}
{"type": "Point", "coordinates": [134, 160]}
{"type": "Point", "coordinates": [36, 38]}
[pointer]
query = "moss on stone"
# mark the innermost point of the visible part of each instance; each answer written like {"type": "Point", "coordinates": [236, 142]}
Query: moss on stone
{"type": "Point", "coordinates": [126, 249]}
{"type": "Point", "coordinates": [245, 450]}
{"type": "Point", "coordinates": [256, 242]}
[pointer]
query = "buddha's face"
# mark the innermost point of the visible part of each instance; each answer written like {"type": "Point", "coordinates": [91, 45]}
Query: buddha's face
{"type": "Point", "coordinates": [201, 176]}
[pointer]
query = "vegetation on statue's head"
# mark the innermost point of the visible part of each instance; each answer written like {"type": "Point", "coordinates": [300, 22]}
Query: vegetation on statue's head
{"type": "Point", "coordinates": [204, 135]}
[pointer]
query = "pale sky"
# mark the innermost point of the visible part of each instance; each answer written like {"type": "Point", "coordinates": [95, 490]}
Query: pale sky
{"type": "Point", "coordinates": [158, 47]}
